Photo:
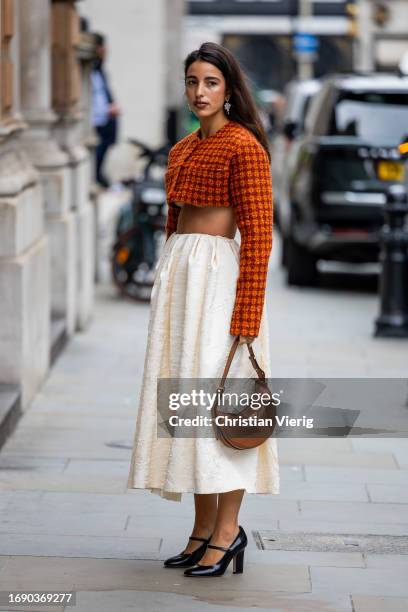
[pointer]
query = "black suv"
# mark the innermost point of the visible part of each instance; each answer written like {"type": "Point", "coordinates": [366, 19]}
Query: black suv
{"type": "Point", "coordinates": [340, 170]}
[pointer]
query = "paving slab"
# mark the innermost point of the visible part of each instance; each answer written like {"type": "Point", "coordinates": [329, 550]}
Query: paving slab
{"type": "Point", "coordinates": [86, 404]}
{"type": "Point", "coordinates": [355, 511]}
{"type": "Point", "coordinates": [292, 473]}
{"type": "Point", "coordinates": [27, 500]}
{"type": "Point", "coordinates": [393, 476]}
{"type": "Point", "coordinates": [64, 505]}
{"type": "Point", "coordinates": [63, 482]}
{"type": "Point", "coordinates": [69, 421]}
{"type": "Point", "coordinates": [18, 464]}
{"type": "Point", "coordinates": [107, 467]}
{"type": "Point", "coordinates": [387, 561]}
{"type": "Point", "coordinates": [270, 508]}
{"type": "Point", "coordinates": [3, 561]}
{"type": "Point", "coordinates": [257, 583]}
{"type": "Point", "coordinates": [393, 494]}
{"type": "Point", "coordinates": [339, 459]}
{"type": "Point", "coordinates": [391, 582]}
{"type": "Point", "coordinates": [84, 545]}
{"type": "Point", "coordinates": [330, 492]}
{"type": "Point", "coordinates": [102, 601]}
{"type": "Point", "coordinates": [82, 444]}
{"type": "Point", "coordinates": [312, 558]}
{"type": "Point", "coordinates": [379, 445]}
{"type": "Point", "coordinates": [74, 525]}
{"type": "Point", "coordinates": [368, 603]}
{"type": "Point", "coordinates": [320, 445]}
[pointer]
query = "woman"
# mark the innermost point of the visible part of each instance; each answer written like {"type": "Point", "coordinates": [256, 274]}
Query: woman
{"type": "Point", "coordinates": [208, 289]}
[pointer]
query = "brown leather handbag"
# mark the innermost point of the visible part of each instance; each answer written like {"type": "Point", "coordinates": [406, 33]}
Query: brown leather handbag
{"type": "Point", "coordinates": [241, 435]}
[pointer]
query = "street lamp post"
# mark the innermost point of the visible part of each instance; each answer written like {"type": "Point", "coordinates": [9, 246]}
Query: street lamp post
{"type": "Point", "coordinates": [393, 319]}
{"type": "Point", "coordinates": [305, 58]}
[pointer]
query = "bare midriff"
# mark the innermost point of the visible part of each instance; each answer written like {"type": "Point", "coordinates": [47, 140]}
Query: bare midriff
{"type": "Point", "coordinates": [213, 220]}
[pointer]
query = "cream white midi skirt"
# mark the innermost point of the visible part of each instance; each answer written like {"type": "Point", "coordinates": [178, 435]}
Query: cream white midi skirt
{"type": "Point", "coordinates": [188, 337]}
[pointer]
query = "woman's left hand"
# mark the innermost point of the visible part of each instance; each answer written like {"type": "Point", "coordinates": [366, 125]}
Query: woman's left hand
{"type": "Point", "coordinates": [246, 339]}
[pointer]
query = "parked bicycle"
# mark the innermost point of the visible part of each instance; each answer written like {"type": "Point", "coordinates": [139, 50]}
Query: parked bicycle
{"type": "Point", "coordinates": [140, 229]}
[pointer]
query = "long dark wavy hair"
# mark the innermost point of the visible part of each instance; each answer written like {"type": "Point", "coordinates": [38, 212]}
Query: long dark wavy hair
{"type": "Point", "coordinates": [243, 108]}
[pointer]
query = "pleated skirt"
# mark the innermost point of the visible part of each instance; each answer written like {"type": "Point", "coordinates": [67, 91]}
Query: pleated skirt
{"type": "Point", "coordinates": [191, 307]}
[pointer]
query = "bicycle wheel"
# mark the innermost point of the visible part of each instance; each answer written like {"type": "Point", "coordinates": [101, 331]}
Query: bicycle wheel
{"type": "Point", "coordinates": [130, 272]}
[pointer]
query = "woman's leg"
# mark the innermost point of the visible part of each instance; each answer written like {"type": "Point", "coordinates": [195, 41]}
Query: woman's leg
{"type": "Point", "coordinates": [226, 526]}
{"type": "Point", "coordinates": [205, 517]}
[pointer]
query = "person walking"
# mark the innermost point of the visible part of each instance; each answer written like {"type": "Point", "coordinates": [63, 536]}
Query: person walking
{"type": "Point", "coordinates": [209, 289]}
{"type": "Point", "coordinates": [105, 111]}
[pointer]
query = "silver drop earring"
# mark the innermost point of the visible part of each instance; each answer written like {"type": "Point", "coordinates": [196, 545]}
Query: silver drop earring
{"type": "Point", "coordinates": [227, 107]}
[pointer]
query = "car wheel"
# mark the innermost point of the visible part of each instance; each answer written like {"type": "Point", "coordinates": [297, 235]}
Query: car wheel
{"type": "Point", "coordinates": [301, 265]}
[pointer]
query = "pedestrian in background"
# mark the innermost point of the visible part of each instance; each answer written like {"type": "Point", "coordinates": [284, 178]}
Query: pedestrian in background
{"type": "Point", "coordinates": [105, 111]}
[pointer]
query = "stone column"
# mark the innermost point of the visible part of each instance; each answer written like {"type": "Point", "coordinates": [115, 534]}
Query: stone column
{"type": "Point", "coordinates": [50, 160]}
{"type": "Point", "coordinates": [174, 67]}
{"type": "Point", "coordinates": [69, 132]}
{"type": "Point", "coordinates": [24, 245]}
{"type": "Point", "coordinates": [89, 137]}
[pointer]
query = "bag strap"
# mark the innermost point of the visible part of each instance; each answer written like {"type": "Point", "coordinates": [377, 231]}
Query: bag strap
{"type": "Point", "coordinates": [259, 371]}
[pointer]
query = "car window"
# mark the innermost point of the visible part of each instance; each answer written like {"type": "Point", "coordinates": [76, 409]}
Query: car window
{"type": "Point", "coordinates": [306, 104]}
{"type": "Point", "coordinates": [318, 115]}
{"type": "Point", "coordinates": [375, 117]}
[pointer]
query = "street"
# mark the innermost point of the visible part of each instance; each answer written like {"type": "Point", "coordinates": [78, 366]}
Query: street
{"type": "Point", "coordinates": [67, 521]}
{"type": "Point", "coordinates": [287, 120]}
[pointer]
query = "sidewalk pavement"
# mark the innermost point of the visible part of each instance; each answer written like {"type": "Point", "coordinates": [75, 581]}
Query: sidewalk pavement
{"type": "Point", "coordinates": [67, 521]}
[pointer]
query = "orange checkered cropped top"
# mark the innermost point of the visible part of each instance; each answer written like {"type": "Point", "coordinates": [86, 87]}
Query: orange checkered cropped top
{"type": "Point", "coordinates": [229, 168]}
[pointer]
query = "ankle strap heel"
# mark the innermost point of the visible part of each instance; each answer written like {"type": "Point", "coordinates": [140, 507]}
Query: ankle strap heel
{"type": "Point", "coordinates": [199, 539]}
{"type": "Point", "coordinates": [184, 559]}
{"type": "Point", "coordinates": [235, 553]}
{"type": "Point", "coordinates": [217, 547]}
{"type": "Point", "coordinates": [238, 563]}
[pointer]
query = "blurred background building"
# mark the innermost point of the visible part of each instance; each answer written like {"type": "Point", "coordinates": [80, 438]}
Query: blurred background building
{"type": "Point", "coordinates": [142, 39]}
{"type": "Point", "coordinates": [276, 41]}
{"type": "Point", "coordinates": [382, 28]}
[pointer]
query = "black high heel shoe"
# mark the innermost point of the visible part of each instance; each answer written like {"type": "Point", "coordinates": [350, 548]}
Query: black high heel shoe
{"type": "Point", "coordinates": [187, 559]}
{"type": "Point", "coordinates": [235, 552]}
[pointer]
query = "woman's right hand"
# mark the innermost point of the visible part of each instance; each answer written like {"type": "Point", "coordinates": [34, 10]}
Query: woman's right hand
{"type": "Point", "coordinates": [246, 339]}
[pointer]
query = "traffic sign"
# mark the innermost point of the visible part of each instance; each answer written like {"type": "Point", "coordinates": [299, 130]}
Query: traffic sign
{"type": "Point", "coordinates": [305, 43]}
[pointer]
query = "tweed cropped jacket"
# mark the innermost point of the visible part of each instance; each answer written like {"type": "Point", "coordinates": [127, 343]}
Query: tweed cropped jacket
{"type": "Point", "coordinates": [229, 168]}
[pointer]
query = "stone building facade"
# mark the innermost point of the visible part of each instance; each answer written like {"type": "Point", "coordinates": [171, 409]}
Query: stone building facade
{"type": "Point", "coordinates": [46, 174]}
